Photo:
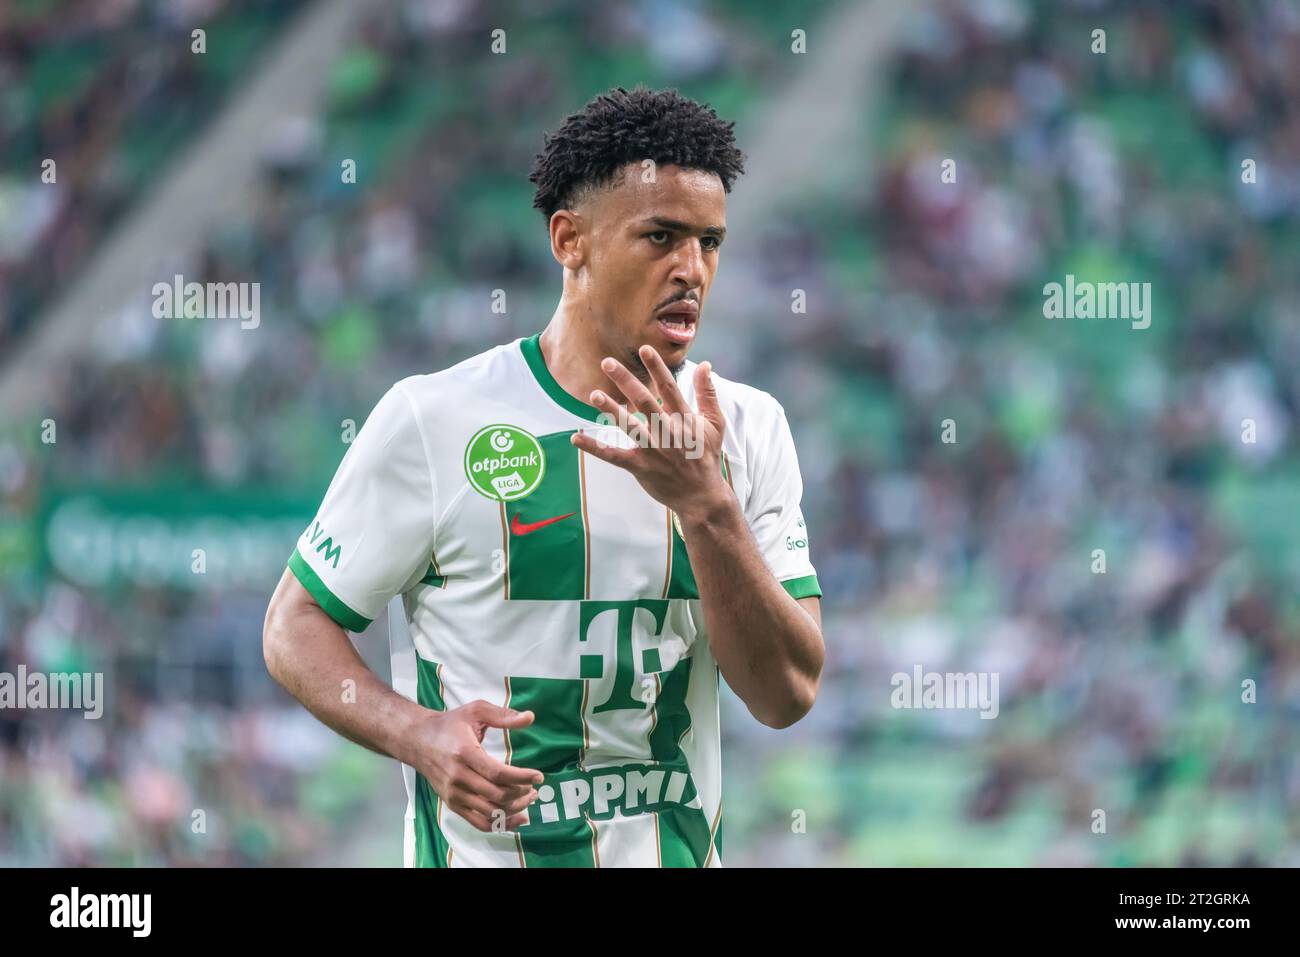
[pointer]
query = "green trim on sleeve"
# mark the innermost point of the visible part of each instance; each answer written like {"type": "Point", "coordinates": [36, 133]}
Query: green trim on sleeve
{"type": "Point", "coordinates": [332, 606]}
{"type": "Point", "coordinates": [806, 587]}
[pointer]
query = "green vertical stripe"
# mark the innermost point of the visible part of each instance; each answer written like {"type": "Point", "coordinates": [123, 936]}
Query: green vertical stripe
{"type": "Point", "coordinates": [683, 831]}
{"type": "Point", "coordinates": [430, 842]}
{"type": "Point", "coordinates": [682, 583]}
{"type": "Point", "coordinates": [428, 687]}
{"type": "Point", "coordinates": [672, 719]}
{"type": "Point", "coordinates": [550, 563]}
{"type": "Point", "coordinates": [683, 837]}
{"type": "Point", "coordinates": [431, 577]}
{"type": "Point", "coordinates": [552, 744]}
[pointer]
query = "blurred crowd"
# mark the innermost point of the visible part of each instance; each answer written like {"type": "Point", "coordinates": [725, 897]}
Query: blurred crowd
{"type": "Point", "coordinates": [108, 91]}
{"type": "Point", "coordinates": [1121, 689]}
{"type": "Point", "coordinates": [360, 285]}
{"type": "Point", "coordinates": [1121, 684]}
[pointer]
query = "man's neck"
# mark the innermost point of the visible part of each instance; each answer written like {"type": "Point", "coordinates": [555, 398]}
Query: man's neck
{"type": "Point", "coordinates": [573, 353]}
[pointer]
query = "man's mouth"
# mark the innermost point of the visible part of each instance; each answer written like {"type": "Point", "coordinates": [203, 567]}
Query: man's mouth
{"type": "Point", "coordinates": [677, 322]}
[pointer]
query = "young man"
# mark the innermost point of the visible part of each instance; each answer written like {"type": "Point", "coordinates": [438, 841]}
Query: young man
{"type": "Point", "coordinates": [586, 530]}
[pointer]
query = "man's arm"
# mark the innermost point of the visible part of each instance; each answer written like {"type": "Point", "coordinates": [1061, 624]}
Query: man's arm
{"type": "Point", "coordinates": [311, 655]}
{"type": "Point", "coordinates": [767, 644]}
{"type": "Point", "coordinates": [313, 659]}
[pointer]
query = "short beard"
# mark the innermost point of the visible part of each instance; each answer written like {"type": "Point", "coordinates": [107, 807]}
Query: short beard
{"type": "Point", "coordinates": [638, 368]}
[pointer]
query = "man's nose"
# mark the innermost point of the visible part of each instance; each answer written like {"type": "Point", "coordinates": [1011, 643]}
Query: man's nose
{"type": "Point", "coordinates": [689, 267]}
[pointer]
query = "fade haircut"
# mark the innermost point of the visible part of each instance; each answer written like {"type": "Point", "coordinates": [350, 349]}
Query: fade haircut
{"type": "Point", "coordinates": [621, 127]}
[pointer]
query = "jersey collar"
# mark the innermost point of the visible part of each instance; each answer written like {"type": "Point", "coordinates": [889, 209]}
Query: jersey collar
{"type": "Point", "coordinates": [532, 351]}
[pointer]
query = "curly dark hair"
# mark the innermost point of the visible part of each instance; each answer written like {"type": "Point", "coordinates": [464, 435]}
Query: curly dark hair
{"type": "Point", "coordinates": [621, 127]}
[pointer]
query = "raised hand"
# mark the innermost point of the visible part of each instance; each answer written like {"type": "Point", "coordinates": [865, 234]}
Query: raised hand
{"type": "Point", "coordinates": [678, 450]}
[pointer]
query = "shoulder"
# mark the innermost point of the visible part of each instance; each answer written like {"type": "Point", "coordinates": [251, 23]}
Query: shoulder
{"type": "Point", "coordinates": [417, 403]}
{"type": "Point", "coordinates": [479, 373]}
{"type": "Point", "coordinates": [749, 411]}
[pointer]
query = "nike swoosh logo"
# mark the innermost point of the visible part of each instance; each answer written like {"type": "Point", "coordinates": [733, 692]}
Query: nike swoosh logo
{"type": "Point", "coordinates": [522, 528]}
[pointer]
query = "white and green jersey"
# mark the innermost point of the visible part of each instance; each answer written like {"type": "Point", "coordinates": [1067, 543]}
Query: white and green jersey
{"type": "Point", "coordinates": [532, 575]}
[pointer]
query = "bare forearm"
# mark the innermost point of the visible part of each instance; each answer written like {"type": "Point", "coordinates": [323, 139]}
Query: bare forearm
{"type": "Point", "coordinates": [335, 684]}
{"type": "Point", "coordinates": [768, 648]}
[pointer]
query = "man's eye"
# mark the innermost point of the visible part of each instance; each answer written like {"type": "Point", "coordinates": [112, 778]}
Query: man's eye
{"type": "Point", "coordinates": [711, 242]}
{"type": "Point", "coordinates": [658, 242]}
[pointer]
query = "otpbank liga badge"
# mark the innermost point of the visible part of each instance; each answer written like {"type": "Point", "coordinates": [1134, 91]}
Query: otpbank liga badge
{"type": "Point", "coordinates": [504, 463]}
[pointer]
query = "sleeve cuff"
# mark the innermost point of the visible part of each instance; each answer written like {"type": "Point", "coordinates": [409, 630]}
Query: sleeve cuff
{"type": "Point", "coordinates": [330, 604]}
{"type": "Point", "coordinates": [805, 587]}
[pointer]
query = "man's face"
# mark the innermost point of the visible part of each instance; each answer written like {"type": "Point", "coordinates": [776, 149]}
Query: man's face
{"type": "Point", "coordinates": [653, 256]}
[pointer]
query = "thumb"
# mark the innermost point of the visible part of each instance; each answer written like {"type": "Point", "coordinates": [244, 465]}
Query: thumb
{"type": "Point", "coordinates": [706, 395]}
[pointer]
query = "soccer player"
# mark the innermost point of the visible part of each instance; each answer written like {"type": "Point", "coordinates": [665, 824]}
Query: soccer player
{"type": "Point", "coordinates": [585, 529]}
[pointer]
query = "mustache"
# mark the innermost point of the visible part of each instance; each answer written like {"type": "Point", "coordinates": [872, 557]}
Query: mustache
{"type": "Point", "coordinates": [687, 297]}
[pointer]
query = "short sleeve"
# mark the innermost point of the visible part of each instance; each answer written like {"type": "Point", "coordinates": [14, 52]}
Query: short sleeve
{"type": "Point", "coordinates": [773, 508]}
{"type": "Point", "coordinates": [373, 535]}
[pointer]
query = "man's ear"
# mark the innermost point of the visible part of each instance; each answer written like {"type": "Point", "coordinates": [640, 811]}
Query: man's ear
{"type": "Point", "coordinates": [568, 244]}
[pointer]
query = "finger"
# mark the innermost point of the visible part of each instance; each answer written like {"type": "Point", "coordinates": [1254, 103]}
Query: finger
{"type": "Point", "coordinates": [623, 458]}
{"type": "Point", "coordinates": [477, 805]}
{"type": "Point", "coordinates": [485, 817]}
{"type": "Point", "coordinates": [625, 420]}
{"type": "Point", "coordinates": [519, 804]}
{"type": "Point", "coordinates": [706, 396]}
{"type": "Point", "coordinates": [513, 800]}
{"type": "Point", "coordinates": [472, 781]}
{"type": "Point", "coordinates": [472, 810]}
{"type": "Point", "coordinates": [496, 716]}
{"type": "Point", "coordinates": [674, 401]}
{"type": "Point", "coordinates": [500, 775]}
{"type": "Point", "coordinates": [632, 388]}
{"type": "Point", "coordinates": [475, 776]}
